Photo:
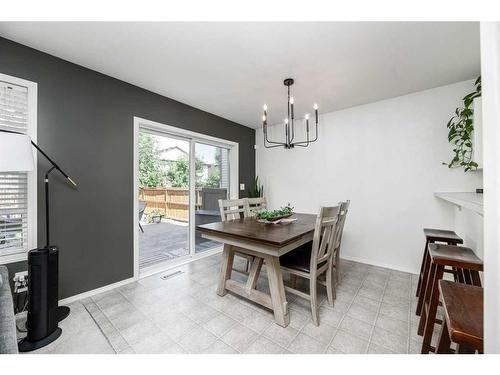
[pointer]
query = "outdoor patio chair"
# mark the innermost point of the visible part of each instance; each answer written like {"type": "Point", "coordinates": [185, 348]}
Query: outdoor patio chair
{"type": "Point", "coordinates": [142, 207]}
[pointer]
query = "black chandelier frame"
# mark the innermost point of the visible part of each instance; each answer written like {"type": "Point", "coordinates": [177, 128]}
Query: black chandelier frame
{"type": "Point", "coordinates": [289, 124]}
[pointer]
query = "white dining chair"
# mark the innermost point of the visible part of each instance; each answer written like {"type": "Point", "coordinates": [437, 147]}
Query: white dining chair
{"type": "Point", "coordinates": [255, 205]}
{"type": "Point", "coordinates": [231, 209]}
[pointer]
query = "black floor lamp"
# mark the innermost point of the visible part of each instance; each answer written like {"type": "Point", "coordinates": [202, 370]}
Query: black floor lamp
{"type": "Point", "coordinates": [43, 311]}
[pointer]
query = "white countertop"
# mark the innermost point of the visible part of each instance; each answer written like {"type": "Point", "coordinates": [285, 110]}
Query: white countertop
{"type": "Point", "coordinates": [470, 201]}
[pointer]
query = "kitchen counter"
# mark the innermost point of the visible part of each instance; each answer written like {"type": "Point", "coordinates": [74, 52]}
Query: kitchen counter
{"type": "Point", "coordinates": [470, 201]}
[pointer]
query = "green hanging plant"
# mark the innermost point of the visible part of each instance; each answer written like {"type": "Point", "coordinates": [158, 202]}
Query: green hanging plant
{"type": "Point", "coordinates": [256, 191]}
{"type": "Point", "coordinates": [461, 127]}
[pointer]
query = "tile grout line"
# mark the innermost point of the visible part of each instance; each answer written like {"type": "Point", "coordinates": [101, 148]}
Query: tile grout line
{"type": "Point", "coordinates": [110, 322]}
{"type": "Point", "coordinates": [378, 314]}
{"type": "Point", "coordinates": [99, 326]}
{"type": "Point", "coordinates": [200, 325]}
{"type": "Point", "coordinates": [153, 322]}
{"type": "Point", "coordinates": [113, 325]}
{"type": "Point", "coordinates": [409, 315]}
{"type": "Point", "coordinates": [344, 315]}
{"type": "Point", "coordinates": [258, 334]}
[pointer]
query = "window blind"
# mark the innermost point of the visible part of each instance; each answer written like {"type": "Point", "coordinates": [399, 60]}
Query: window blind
{"type": "Point", "coordinates": [13, 185]}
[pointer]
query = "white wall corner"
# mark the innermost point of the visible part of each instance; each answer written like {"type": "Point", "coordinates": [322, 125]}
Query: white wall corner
{"type": "Point", "coordinates": [490, 73]}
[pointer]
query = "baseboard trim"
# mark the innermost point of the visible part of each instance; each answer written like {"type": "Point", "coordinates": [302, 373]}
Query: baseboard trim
{"type": "Point", "coordinates": [378, 264]}
{"type": "Point", "coordinates": [93, 292]}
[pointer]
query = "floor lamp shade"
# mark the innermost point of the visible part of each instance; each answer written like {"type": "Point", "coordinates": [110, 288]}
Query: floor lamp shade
{"type": "Point", "coordinates": [16, 153]}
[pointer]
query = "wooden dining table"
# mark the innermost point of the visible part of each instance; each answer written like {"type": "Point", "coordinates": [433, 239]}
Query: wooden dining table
{"type": "Point", "coordinates": [264, 243]}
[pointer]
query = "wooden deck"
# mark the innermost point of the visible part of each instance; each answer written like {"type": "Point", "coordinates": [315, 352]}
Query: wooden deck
{"type": "Point", "coordinates": [166, 241]}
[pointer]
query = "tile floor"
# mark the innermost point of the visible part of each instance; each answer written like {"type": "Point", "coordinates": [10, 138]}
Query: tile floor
{"type": "Point", "coordinates": [373, 313]}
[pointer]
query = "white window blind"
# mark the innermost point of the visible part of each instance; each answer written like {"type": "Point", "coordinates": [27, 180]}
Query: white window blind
{"type": "Point", "coordinates": [13, 185]}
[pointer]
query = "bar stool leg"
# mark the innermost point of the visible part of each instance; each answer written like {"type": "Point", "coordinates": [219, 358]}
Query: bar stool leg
{"type": "Point", "coordinates": [419, 285]}
{"type": "Point", "coordinates": [460, 273]}
{"type": "Point", "coordinates": [425, 284]}
{"type": "Point", "coordinates": [476, 280]}
{"type": "Point", "coordinates": [444, 343]}
{"type": "Point", "coordinates": [425, 299]}
{"type": "Point", "coordinates": [432, 309]}
{"type": "Point", "coordinates": [467, 276]}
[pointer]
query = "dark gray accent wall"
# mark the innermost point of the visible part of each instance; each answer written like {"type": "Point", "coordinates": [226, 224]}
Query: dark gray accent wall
{"type": "Point", "coordinates": [85, 122]}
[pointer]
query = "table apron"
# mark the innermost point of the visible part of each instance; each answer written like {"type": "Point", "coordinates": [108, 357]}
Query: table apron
{"type": "Point", "coordinates": [256, 248]}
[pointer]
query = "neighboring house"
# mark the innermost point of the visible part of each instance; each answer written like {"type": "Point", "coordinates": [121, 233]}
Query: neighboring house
{"type": "Point", "coordinates": [170, 155]}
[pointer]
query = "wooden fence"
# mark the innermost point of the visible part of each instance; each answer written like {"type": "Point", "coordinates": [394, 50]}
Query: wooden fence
{"type": "Point", "coordinates": [173, 203]}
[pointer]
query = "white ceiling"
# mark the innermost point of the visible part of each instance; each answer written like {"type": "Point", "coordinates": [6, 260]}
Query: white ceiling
{"type": "Point", "coordinates": [232, 69]}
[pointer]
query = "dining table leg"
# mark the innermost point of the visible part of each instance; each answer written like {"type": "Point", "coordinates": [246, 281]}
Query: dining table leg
{"type": "Point", "coordinates": [226, 269]}
{"type": "Point", "coordinates": [277, 289]}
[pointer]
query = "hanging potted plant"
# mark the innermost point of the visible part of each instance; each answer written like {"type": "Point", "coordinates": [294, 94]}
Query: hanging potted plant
{"type": "Point", "coordinates": [460, 132]}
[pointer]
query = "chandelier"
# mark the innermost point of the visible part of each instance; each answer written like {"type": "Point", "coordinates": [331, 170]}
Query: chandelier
{"type": "Point", "coordinates": [289, 124]}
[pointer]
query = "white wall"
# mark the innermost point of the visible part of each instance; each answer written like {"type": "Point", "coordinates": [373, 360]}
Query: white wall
{"type": "Point", "coordinates": [490, 70]}
{"type": "Point", "coordinates": [386, 158]}
{"type": "Point", "coordinates": [470, 226]}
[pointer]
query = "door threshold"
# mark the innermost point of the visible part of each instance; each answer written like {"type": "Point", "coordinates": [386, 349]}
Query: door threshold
{"type": "Point", "coordinates": [174, 263]}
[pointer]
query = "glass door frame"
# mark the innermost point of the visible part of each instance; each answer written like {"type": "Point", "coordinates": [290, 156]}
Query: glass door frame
{"type": "Point", "coordinates": [192, 177]}
{"type": "Point", "coordinates": [193, 138]}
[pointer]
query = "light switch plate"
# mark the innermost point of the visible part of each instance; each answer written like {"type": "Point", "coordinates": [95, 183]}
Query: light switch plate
{"type": "Point", "coordinates": [242, 186]}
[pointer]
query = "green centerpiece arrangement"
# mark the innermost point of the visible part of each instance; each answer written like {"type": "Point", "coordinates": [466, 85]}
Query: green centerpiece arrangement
{"type": "Point", "coordinates": [275, 215]}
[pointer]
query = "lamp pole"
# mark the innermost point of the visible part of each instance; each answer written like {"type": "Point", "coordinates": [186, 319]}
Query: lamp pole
{"type": "Point", "coordinates": [62, 311]}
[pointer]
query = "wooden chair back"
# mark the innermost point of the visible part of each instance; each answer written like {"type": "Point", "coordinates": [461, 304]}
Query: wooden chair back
{"type": "Point", "coordinates": [231, 209]}
{"type": "Point", "coordinates": [324, 233]}
{"type": "Point", "coordinates": [254, 205]}
{"type": "Point", "coordinates": [343, 209]}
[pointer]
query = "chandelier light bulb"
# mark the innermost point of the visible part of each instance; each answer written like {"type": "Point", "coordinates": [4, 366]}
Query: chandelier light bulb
{"type": "Point", "coordinates": [307, 116]}
{"type": "Point", "coordinates": [315, 106]}
{"type": "Point", "coordinates": [264, 118]}
{"type": "Point", "coordinates": [265, 107]}
{"type": "Point", "coordinates": [291, 100]}
{"type": "Point", "coordinates": [286, 121]}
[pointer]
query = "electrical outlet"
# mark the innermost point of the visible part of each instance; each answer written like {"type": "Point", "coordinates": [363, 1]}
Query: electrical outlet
{"type": "Point", "coordinates": [20, 282]}
{"type": "Point", "coordinates": [242, 187]}
{"type": "Point", "coordinates": [18, 276]}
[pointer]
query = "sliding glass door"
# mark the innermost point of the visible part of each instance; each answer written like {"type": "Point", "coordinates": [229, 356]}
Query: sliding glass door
{"type": "Point", "coordinates": [180, 178]}
{"type": "Point", "coordinates": [211, 184]}
{"type": "Point", "coordinates": [164, 181]}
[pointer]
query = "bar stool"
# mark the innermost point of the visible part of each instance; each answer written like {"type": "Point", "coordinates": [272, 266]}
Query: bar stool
{"type": "Point", "coordinates": [432, 236]}
{"type": "Point", "coordinates": [467, 266]}
{"type": "Point", "coordinates": [463, 318]}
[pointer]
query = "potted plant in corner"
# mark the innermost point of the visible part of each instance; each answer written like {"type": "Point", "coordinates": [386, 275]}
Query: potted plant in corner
{"type": "Point", "coordinates": [256, 191]}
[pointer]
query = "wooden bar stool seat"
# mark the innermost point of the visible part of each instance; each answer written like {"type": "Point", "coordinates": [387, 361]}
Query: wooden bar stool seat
{"type": "Point", "coordinates": [463, 317]}
{"type": "Point", "coordinates": [456, 256]}
{"type": "Point", "coordinates": [432, 236]}
{"type": "Point", "coordinates": [466, 264]}
{"type": "Point", "coordinates": [441, 235]}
